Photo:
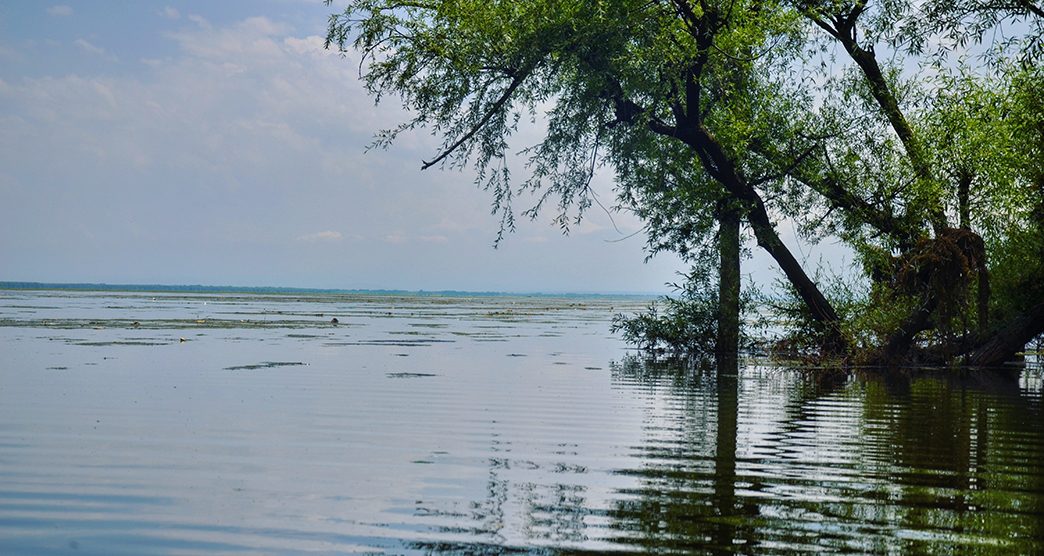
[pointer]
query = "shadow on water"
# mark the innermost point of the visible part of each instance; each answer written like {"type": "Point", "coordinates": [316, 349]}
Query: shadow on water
{"type": "Point", "coordinates": [781, 461]}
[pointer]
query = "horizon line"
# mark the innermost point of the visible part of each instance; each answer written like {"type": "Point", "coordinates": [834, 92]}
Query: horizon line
{"type": "Point", "coordinates": [203, 288]}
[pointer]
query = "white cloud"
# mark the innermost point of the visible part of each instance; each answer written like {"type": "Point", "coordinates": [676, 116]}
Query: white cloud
{"type": "Point", "coordinates": [238, 109]}
{"type": "Point", "coordinates": [254, 37]}
{"type": "Point", "coordinates": [227, 152]}
{"type": "Point", "coordinates": [60, 10]}
{"type": "Point", "coordinates": [328, 235]}
{"type": "Point", "coordinates": [89, 47]}
{"type": "Point", "coordinates": [199, 21]}
{"type": "Point", "coordinates": [170, 13]}
{"type": "Point", "coordinates": [308, 45]}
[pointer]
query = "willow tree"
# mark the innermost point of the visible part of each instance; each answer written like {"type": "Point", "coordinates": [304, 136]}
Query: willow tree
{"type": "Point", "coordinates": [668, 94]}
{"type": "Point", "coordinates": [933, 176]}
{"type": "Point", "coordinates": [709, 115]}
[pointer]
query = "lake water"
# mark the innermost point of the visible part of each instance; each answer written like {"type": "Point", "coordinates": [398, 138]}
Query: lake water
{"type": "Point", "coordinates": [145, 423]}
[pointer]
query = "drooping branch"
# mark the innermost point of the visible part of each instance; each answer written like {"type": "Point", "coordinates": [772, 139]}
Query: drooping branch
{"type": "Point", "coordinates": [516, 81]}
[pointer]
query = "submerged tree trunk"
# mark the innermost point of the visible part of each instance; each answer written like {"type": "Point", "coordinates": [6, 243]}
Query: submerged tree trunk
{"type": "Point", "coordinates": [1010, 339]}
{"type": "Point", "coordinates": [724, 493]}
{"type": "Point", "coordinates": [727, 345]}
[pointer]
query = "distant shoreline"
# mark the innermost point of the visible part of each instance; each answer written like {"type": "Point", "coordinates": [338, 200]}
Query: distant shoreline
{"type": "Point", "coordinates": [276, 290]}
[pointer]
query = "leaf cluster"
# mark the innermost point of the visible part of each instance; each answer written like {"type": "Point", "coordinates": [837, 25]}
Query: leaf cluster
{"type": "Point", "coordinates": [686, 325]}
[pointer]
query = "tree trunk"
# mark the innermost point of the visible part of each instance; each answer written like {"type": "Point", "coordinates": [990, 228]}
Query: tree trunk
{"type": "Point", "coordinates": [821, 309]}
{"type": "Point", "coordinates": [889, 105]}
{"type": "Point", "coordinates": [727, 347]}
{"type": "Point", "coordinates": [897, 348]}
{"type": "Point", "coordinates": [963, 200]}
{"type": "Point", "coordinates": [1010, 339]}
{"type": "Point", "coordinates": [722, 168]}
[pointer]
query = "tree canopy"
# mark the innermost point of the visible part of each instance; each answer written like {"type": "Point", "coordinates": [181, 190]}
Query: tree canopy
{"type": "Point", "coordinates": [852, 119]}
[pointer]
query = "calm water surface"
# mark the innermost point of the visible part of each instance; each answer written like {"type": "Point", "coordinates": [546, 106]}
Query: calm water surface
{"type": "Point", "coordinates": [244, 424]}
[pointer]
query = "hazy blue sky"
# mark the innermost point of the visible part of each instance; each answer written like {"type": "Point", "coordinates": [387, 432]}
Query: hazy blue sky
{"type": "Point", "coordinates": [216, 142]}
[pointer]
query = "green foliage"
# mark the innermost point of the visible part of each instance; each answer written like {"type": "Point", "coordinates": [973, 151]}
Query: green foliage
{"type": "Point", "coordinates": [699, 107]}
{"type": "Point", "coordinates": [985, 131]}
{"type": "Point", "coordinates": [686, 325]}
{"type": "Point", "coordinates": [793, 333]}
{"type": "Point", "coordinates": [961, 24]}
{"type": "Point", "coordinates": [987, 135]}
{"type": "Point", "coordinates": [1016, 273]}
{"type": "Point", "coordinates": [471, 71]}
{"type": "Point", "coordinates": [683, 327]}
{"type": "Point", "coordinates": [1017, 265]}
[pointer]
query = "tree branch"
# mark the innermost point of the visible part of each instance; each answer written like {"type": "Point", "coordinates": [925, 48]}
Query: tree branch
{"type": "Point", "coordinates": [886, 101]}
{"type": "Point", "coordinates": [497, 106]}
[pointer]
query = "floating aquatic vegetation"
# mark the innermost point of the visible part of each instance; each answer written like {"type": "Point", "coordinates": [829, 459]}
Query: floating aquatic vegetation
{"type": "Point", "coordinates": [121, 343]}
{"type": "Point", "coordinates": [412, 342]}
{"type": "Point", "coordinates": [159, 324]}
{"type": "Point", "coordinates": [265, 365]}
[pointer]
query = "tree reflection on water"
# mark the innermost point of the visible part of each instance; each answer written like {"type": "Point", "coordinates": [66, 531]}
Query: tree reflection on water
{"type": "Point", "coordinates": [776, 460]}
{"type": "Point", "coordinates": [773, 460]}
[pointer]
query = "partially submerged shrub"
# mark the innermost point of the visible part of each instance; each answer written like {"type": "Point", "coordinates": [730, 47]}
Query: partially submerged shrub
{"type": "Point", "coordinates": [793, 332]}
{"type": "Point", "coordinates": [685, 325]}
{"type": "Point", "coordinates": [682, 326]}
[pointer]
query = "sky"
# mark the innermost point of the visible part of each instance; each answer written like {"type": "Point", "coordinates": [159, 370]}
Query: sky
{"type": "Point", "coordinates": [218, 143]}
